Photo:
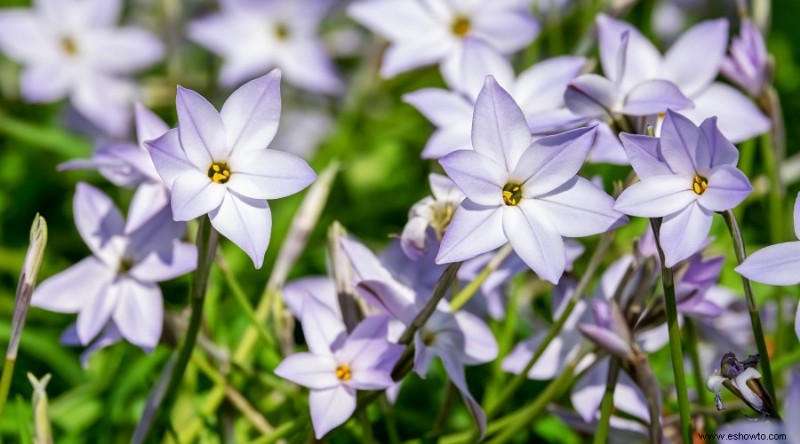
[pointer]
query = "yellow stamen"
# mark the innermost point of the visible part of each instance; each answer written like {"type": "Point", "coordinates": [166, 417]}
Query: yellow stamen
{"type": "Point", "coordinates": [700, 184]}
{"type": "Point", "coordinates": [428, 337]}
{"type": "Point", "coordinates": [461, 26]}
{"type": "Point", "coordinates": [343, 372]}
{"type": "Point", "coordinates": [281, 31]}
{"type": "Point", "coordinates": [69, 46]}
{"type": "Point", "coordinates": [219, 172]}
{"type": "Point", "coordinates": [512, 194]}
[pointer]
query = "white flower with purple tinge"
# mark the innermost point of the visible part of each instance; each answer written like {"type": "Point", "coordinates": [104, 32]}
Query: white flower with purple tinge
{"type": "Point", "coordinates": [217, 163]}
{"type": "Point", "coordinates": [425, 32]}
{"type": "Point", "coordinates": [254, 37]}
{"type": "Point", "coordinates": [748, 62]}
{"type": "Point", "coordinates": [433, 212]}
{"type": "Point", "coordinates": [520, 192]}
{"type": "Point", "coordinates": [72, 49]}
{"type": "Point", "coordinates": [130, 165]}
{"type": "Point", "coordinates": [338, 364]}
{"type": "Point", "coordinates": [118, 284]}
{"type": "Point", "coordinates": [686, 175]}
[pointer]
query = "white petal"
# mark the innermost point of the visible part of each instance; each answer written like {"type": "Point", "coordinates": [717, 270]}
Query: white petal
{"type": "Point", "coordinates": [246, 222]}
{"type": "Point", "coordinates": [683, 233]}
{"type": "Point", "coordinates": [331, 408]}
{"type": "Point", "coordinates": [538, 246]}
{"type": "Point", "coordinates": [194, 194]}
{"type": "Point", "coordinates": [475, 229]}
{"type": "Point", "coordinates": [578, 208]}
{"type": "Point", "coordinates": [99, 222]}
{"type": "Point", "coordinates": [139, 312]}
{"type": "Point", "coordinates": [309, 370]}
{"type": "Point", "coordinates": [479, 177]}
{"type": "Point", "coordinates": [268, 174]}
{"type": "Point", "coordinates": [168, 156]}
{"type": "Point", "coordinates": [656, 196]}
{"type": "Point", "coordinates": [773, 265]}
{"type": "Point", "coordinates": [73, 288]}
{"type": "Point", "coordinates": [201, 129]}
{"type": "Point", "coordinates": [499, 129]}
{"type": "Point", "coordinates": [252, 112]}
{"type": "Point", "coordinates": [97, 312]}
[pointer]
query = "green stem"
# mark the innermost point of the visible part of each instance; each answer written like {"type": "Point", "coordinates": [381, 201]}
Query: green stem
{"type": "Point", "coordinates": [755, 317]}
{"type": "Point", "coordinates": [583, 285]}
{"type": "Point", "coordinates": [699, 380]}
{"type": "Point", "coordinates": [674, 331]}
{"type": "Point", "coordinates": [206, 246]}
{"type": "Point", "coordinates": [466, 294]}
{"type": "Point", "coordinates": [601, 433]}
{"type": "Point", "coordinates": [5, 381]}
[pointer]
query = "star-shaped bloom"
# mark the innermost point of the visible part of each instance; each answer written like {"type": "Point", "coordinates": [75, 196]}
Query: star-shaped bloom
{"type": "Point", "coordinates": [520, 192]}
{"type": "Point", "coordinates": [432, 212]}
{"type": "Point", "coordinates": [748, 62]}
{"type": "Point", "coordinates": [425, 32]}
{"type": "Point", "coordinates": [119, 282]}
{"type": "Point", "coordinates": [338, 364]}
{"type": "Point", "coordinates": [254, 37]}
{"type": "Point", "coordinates": [72, 49]}
{"type": "Point", "coordinates": [539, 91]}
{"type": "Point", "coordinates": [130, 165]}
{"type": "Point", "coordinates": [217, 163]}
{"type": "Point", "coordinates": [692, 63]}
{"type": "Point", "coordinates": [686, 175]}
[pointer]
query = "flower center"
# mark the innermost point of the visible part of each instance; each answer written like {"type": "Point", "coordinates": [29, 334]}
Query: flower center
{"type": "Point", "coordinates": [700, 184]}
{"type": "Point", "coordinates": [69, 46]}
{"type": "Point", "coordinates": [125, 265]}
{"type": "Point", "coordinates": [219, 172]}
{"type": "Point", "coordinates": [343, 372]}
{"type": "Point", "coordinates": [461, 26]}
{"type": "Point", "coordinates": [512, 193]}
{"type": "Point", "coordinates": [281, 31]}
{"type": "Point", "coordinates": [428, 337]}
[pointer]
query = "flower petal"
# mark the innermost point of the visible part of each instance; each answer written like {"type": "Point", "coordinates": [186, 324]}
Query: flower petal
{"type": "Point", "coordinates": [331, 408]}
{"type": "Point", "coordinates": [773, 265]}
{"type": "Point", "coordinates": [268, 174]}
{"type": "Point", "coordinates": [124, 50]}
{"type": "Point", "coordinates": [542, 86]}
{"type": "Point", "coordinates": [465, 71]}
{"type": "Point", "coordinates": [683, 233]}
{"type": "Point", "coordinates": [426, 48]}
{"type": "Point", "coordinates": [73, 288]}
{"type": "Point", "coordinates": [479, 177]}
{"type": "Point", "coordinates": [694, 66]}
{"type": "Point", "coordinates": [194, 194]}
{"type": "Point", "coordinates": [474, 229]}
{"type": "Point", "coordinates": [578, 208]}
{"type": "Point", "coordinates": [727, 188]}
{"type": "Point", "coordinates": [796, 215]}
{"type": "Point", "coordinates": [442, 107]}
{"type": "Point", "coordinates": [499, 129]}
{"type": "Point", "coordinates": [388, 297]}
{"type": "Point", "coordinates": [139, 312]}
{"type": "Point", "coordinates": [654, 96]}
{"type": "Point", "coordinates": [324, 331]}
{"type": "Point", "coordinates": [642, 58]}
{"type": "Point", "coordinates": [683, 146]}
{"type": "Point", "coordinates": [96, 313]}
{"type": "Point", "coordinates": [246, 222]}
{"type": "Point", "coordinates": [540, 248]}
{"type": "Point", "coordinates": [168, 156]}
{"type": "Point", "coordinates": [455, 371]}
{"type": "Point", "coordinates": [723, 152]}
{"type": "Point", "coordinates": [309, 370]}
{"type": "Point", "coordinates": [252, 112]}
{"type": "Point", "coordinates": [656, 196]}
{"type": "Point", "coordinates": [150, 199]}
{"type": "Point", "coordinates": [446, 140]}
{"type": "Point", "coordinates": [507, 29]}
{"type": "Point", "coordinates": [553, 160]}
{"type": "Point", "coordinates": [98, 221]}
{"type": "Point", "coordinates": [739, 118]}
{"type": "Point", "coordinates": [200, 128]}
{"type": "Point", "coordinates": [25, 37]}
{"type": "Point", "coordinates": [644, 155]}
{"type": "Point", "coordinates": [46, 82]}
{"type": "Point", "coordinates": [480, 345]}
{"type": "Point", "coordinates": [591, 95]}
{"type": "Point", "coordinates": [156, 268]}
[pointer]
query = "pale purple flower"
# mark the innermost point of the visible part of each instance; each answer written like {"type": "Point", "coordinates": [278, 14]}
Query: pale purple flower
{"type": "Point", "coordinates": [72, 49]}
{"type": "Point", "coordinates": [338, 364]}
{"type": "Point", "coordinates": [108, 337]}
{"type": "Point", "coordinates": [302, 130]}
{"type": "Point", "coordinates": [119, 282]}
{"type": "Point", "coordinates": [748, 62]}
{"type": "Point", "coordinates": [130, 165]}
{"type": "Point", "coordinates": [423, 32]}
{"type": "Point", "coordinates": [217, 163]}
{"type": "Point", "coordinates": [256, 36]}
{"type": "Point", "coordinates": [742, 430]}
{"type": "Point", "coordinates": [432, 212]}
{"type": "Point", "coordinates": [458, 339]}
{"type": "Point", "coordinates": [686, 175]}
{"type": "Point", "coordinates": [520, 192]}
{"type": "Point", "coordinates": [692, 63]}
{"type": "Point", "coordinates": [320, 288]}
{"type": "Point", "coordinates": [538, 91]}
{"type": "Point", "coordinates": [777, 264]}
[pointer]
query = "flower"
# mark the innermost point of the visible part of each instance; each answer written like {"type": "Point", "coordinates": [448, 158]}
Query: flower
{"type": "Point", "coordinates": [119, 282]}
{"type": "Point", "coordinates": [254, 37]}
{"type": "Point", "coordinates": [686, 175]}
{"type": "Point", "coordinates": [743, 380]}
{"type": "Point", "coordinates": [748, 62]}
{"type": "Point", "coordinates": [426, 32]}
{"type": "Point", "coordinates": [72, 49]}
{"type": "Point", "coordinates": [629, 59]}
{"type": "Point", "coordinates": [217, 163]}
{"type": "Point", "coordinates": [431, 212]}
{"type": "Point", "coordinates": [458, 339]}
{"type": "Point", "coordinates": [338, 364]}
{"type": "Point", "coordinates": [130, 165]}
{"type": "Point", "coordinates": [520, 192]}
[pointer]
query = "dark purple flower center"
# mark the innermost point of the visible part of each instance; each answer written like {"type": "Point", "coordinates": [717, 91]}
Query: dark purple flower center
{"type": "Point", "coordinates": [512, 193]}
{"type": "Point", "coordinates": [700, 184]}
{"type": "Point", "coordinates": [343, 372]}
{"type": "Point", "coordinates": [461, 26]}
{"type": "Point", "coordinates": [219, 172]}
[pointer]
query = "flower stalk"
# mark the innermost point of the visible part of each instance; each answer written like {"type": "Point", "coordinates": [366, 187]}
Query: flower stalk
{"type": "Point", "coordinates": [607, 405]}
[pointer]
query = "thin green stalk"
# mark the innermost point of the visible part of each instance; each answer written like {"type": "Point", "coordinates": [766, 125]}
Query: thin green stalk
{"type": "Point", "coordinates": [206, 246]}
{"type": "Point", "coordinates": [607, 404]}
{"type": "Point", "coordinates": [755, 317]}
{"type": "Point", "coordinates": [674, 330]}
{"type": "Point", "coordinates": [466, 294]}
{"type": "Point", "coordinates": [280, 432]}
{"type": "Point", "coordinates": [690, 327]}
{"type": "Point", "coordinates": [444, 283]}
{"type": "Point", "coordinates": [580, 290]}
